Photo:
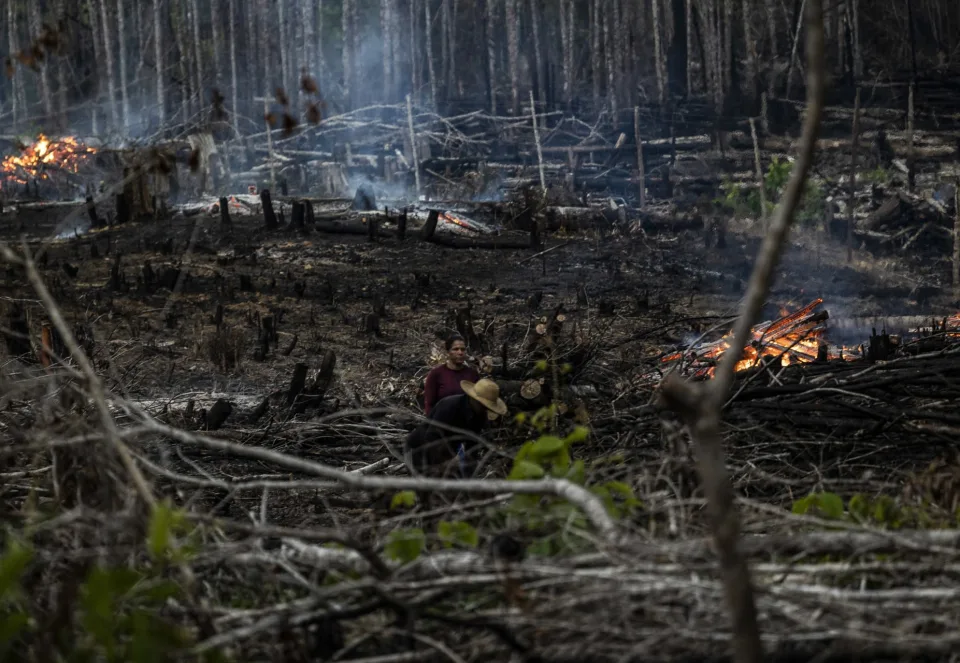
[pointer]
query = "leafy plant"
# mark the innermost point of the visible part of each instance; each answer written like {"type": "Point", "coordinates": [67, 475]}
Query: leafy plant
{"type": "Point", "coordinates": [118, 614]}
{"type": "Point", "coordinates": [405, 545]}
{"type": "Point", "coordinates": [882, 511]}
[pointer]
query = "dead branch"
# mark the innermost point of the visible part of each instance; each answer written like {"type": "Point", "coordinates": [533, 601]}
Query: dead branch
{"type": "Point", "coordinates": [700, 408]}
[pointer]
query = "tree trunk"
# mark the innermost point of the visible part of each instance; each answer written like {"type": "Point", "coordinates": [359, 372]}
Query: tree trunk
{"type": "Point", "coordinates": [658, 53]}
{"type": "Point", "coordinates": [751, 48]}
{"type": "Point", "coordinates": [774, 47]}
{"type": "Point", "coordinates": [446, 71]}
{"type": "Point", "coordinates": [428, 33]}
{"type": "Point", "coordinates": [595, 50]}
{"type": "Point", "coordinates": [62, 120]}
{"type": "Point", "coordinates": [215, 16]}
{"type": "Point", "coordinates": [45, 96]}
{"type": "Point", "coordinates": [688, 17]}
{"type": "Point", "coordinates": [566, 29]}
{"type": "Point", "coordinates": [728, 63]}
{"type": "Point", "coordinates": [537, 54]}
{"type": "Point", "coordinates": [513, 53]}
{"type": "Point", "coordinates": [235, 108]}
{"type": "Point", "coordinates": [285, 45]}
{"type": "Point", "coordinates": [608, 57]}
{"type": "Point", "coordinates": [108, 51]}
{"type": "Point", "coordinates": [857, 50]}
{"type": "Point", "coordinates": [15, 78]}
{"type": "Point", "coordinates": [186, 84]}
{"type": "Point", "coordinates": [347, 53]}
{"type": "Point", "coordinates": [492, 53]}
{"type": "Point", "coordinates": [415, 59]}
{"type": "Point", "coordinates": [198, 59]}
{"type": "Point", "coordinates": [387, 49]}
{"type": "Point", "coordinates": [124, 92]}
{"type": "Point", "coordinates": [158, 57]}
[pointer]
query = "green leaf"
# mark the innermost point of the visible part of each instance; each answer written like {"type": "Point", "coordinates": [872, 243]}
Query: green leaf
{"type": "Point", "coordinates": [578, 434]}
{"type": "Point", "coordinates": [577, 473]}
{"type": "Point", "coordinates": [546, 446]}
{"type": "Point", "coordinates": [802, 506]}
{"type": "Point", "coordinates": [626, 492]}
{"type": "Point", "coordinates": [566, 368]}
{"type": "Point", "coordinates": [459, 533]}
{"type": "Point", "coordinates": [859, 507]}
{"type": "Point", "coordinates": [160, 531]}
{"type": "Point", "coordinates": [524, 469]}
{"type": "Point", "coordinates": [406, 498]}
{"type": "Point", "coordinates": [541, 366]}
{"type": "Point", "coordinates": [405, 545]}
{"type": "Point", "coordinates": [12, 565]}
{"type": "Point", "coordinates": [830, 505]}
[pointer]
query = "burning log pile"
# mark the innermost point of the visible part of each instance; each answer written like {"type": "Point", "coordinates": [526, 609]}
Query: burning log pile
{"type": "Point", "coordinates": [53, 161]}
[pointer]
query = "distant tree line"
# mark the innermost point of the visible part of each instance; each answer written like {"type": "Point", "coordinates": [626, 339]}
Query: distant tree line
{"type": "Point", "coordinates": [133, 66]}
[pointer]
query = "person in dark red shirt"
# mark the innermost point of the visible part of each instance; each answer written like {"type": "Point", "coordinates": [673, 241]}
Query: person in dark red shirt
{"type": "Point", "coordinates": [444, 380]}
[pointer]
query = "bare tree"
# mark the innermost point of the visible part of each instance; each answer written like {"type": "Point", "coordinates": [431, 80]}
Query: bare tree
{"type": "Point", "coordinates": [700, 406]}
{"type": "Point", "coordinates": [537, 49]}
{"type": "Point", "coordinates": [43, 65]}
{"type": "Point", "coordinates": [108, 60]}
{"type": "Point", "coordinates": [491, 52]}
{"type": "Point", "coordinates": [158, 57]}
{"type": "Point", "coordinates": [235, 112]}
{"type": "Point", "coordinates": [347, 51]}
{"type": "Point", "coordinates": [512, 19]}
{"type": "Point", "coordinates": [658, 55]}
{"type": "Point", "coordinates": [122, 74]}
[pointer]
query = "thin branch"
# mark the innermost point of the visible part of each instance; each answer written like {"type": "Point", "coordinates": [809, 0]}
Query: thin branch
{"type": "Point", "coordinates": [700, 408]}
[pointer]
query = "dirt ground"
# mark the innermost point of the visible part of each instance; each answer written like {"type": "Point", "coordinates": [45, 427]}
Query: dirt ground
{"type": "Point", "coordinates": [645, 295]}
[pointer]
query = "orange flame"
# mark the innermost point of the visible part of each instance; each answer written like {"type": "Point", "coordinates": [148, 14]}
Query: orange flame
{"type": "Point", "coordinates": [34, 160]}
{"type": "Point", "coordinates": [795, 338]}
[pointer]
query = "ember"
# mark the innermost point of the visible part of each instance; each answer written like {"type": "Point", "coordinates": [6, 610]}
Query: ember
{"type": "Point", "coordinates": [795, 338]}
{"type": "Point", "coordinates": [37, 160]}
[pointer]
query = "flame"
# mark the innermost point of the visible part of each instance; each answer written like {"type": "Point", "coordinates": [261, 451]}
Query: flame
{"type": "Point", "coordinates": [35, 160]}
{"type": "Point", "coordinates": [794, 338]}
{"type": "Point", "coordinates": [456, 220]}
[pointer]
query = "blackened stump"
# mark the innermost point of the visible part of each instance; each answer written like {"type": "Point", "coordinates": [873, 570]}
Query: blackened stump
{"type": "Point", "coordinates": [269, 216]}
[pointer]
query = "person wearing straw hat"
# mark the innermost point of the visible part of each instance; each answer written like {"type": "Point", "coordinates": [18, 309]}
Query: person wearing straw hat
{"type": "Point", "coordinates": [434, 444]}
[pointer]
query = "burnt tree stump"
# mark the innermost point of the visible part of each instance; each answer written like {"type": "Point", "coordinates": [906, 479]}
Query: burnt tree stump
{"type": "Point", "coordinates": [324, 376]}
{"type": "Point", "coordinates": [309, 216]}
{"type": "Point", "coordinates": [373, 228]}
{"type": "Point", "coordinates": [293, 344]}
{"type": "Point", "coordinates": [95, 221]}
{"type": "Point", "coordinates": [371, 324]}
{"type": "Point", "coordinates": [123, 208]}
{"type": "Point", "coordinates": [430, 227]}
{"type": "Point", "coordinates": [297, 383]}
{"type": "Point", "coordinates": [297, 215]}
{"type": "Point", "coordinates": [17, 333]}
{"type": "Point", "coordinates": [225, 221]}
{"type": "Point", "coordinates": [246, 283]}
{"type": "Point", "coordinates": [218, 316]}
{"type": "Point", "coordinates": [269, 216]}
{"type": "Point", "coordinates": [402, 225]}
{"type": "Point", "coordinates": [217, 414]}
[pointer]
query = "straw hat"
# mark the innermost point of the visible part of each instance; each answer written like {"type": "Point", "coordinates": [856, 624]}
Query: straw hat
{"type": "Point", "coordinates": [487, 393]}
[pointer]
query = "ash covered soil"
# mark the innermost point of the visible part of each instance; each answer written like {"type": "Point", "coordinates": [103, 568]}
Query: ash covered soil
{"type": "Point", "coordinates": [640, 296]}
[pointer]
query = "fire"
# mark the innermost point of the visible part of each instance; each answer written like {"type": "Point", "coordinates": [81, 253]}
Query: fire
{"type": "Point", "coordinates": [794, 338]}
{"type": "Point", "coordinates": [37, 160]}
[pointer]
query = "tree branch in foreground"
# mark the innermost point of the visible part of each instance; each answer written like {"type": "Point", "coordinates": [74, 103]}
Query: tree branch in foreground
{"type": "Point", "coordinates": [700, 407]}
